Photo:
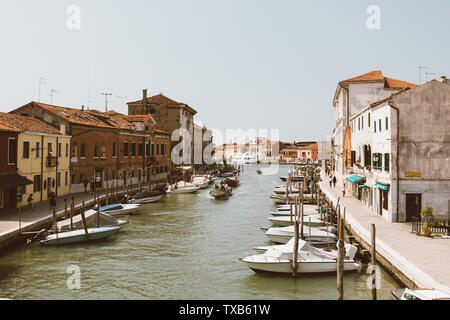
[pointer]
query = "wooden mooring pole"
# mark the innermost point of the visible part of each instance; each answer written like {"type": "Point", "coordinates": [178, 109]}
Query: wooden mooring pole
{"type": "Point", "coordinates": [340, 262]}
{"type": "Point", "coordinates": [83, 219]}
{"type": "Point", "coordinates": [72, 211]}
{"type": "Point", "coordinates": [295, 253]}
{"type": "Point", "coordinates": [374, 262]}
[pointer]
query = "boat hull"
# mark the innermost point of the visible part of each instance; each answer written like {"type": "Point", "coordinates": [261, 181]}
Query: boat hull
{"type": "Point", "coordinates": [304, 267]}
{"type": "Point", "coordinates": [184, 190]}
{"type": "Point", "coordinates": [79, 236]}
{"type": "Point", "coordinates": [148, 199]}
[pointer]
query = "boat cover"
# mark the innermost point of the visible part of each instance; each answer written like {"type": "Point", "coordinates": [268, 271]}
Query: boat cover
{"type": "Point", "coordinates": [91, 221]}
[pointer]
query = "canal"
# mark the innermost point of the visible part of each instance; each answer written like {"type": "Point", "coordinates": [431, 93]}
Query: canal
{"type": "Point", "coordinates": [183, 247]}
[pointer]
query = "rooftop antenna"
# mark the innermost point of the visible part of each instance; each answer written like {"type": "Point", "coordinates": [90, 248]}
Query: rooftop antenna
{"type": "Point", "coordinates": [429, 74]}
{"type": "Point", "coordinates": [52, 94]}
{"type": "Point", "coordinates": [106, 94]}
{"type": "Point", "coordinates": [420, 73]}
{"type": "Point", "coordinates": [42, 81]}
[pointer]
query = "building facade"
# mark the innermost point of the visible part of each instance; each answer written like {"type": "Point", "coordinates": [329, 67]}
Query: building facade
{"type": "Point", "coordinates": [400, 153]}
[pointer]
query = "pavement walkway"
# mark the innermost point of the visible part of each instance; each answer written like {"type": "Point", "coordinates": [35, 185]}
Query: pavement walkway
{"type": "Point", "coordinates": [423, 260]}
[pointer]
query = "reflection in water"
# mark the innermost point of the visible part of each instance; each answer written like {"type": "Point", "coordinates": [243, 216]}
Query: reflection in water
{"type": "Point", "coordinates": [186, 246]}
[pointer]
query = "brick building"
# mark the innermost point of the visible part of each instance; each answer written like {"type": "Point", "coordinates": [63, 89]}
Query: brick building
{"type": "Point", "coordinates": [169, 115]}
{"type": "Point", "coordinates": [106, 148]}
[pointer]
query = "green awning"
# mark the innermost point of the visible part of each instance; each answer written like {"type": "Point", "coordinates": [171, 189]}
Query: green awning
{"type": "Point", "coordinates": [13, 180]}
{"type": "Point", "coordinates": [363, 186]}
{"type": "Point", "coordinates": [355, 179]}
{"type": "Point", "coordinates": [381, 186]}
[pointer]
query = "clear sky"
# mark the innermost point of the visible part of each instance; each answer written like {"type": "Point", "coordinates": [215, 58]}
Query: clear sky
{"type": "Point", "coordinates": [241, 64]}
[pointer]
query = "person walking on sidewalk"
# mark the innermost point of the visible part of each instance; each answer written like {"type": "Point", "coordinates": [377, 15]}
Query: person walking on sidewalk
{"type": "Point", "coordinates": [331, 182]}
{"type": "Point", "coordinates": [52, 200]}
{"type": "Point", "coordinates": [30, 202]}
{"type": "Point", "coordinates": [334, 181]}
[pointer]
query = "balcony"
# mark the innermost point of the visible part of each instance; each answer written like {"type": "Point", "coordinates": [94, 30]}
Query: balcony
{"type": "Point", "coordinates": [51, 162]}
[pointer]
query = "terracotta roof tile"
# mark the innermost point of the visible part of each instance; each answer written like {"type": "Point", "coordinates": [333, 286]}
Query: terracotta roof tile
{"type": "Point", "coordinates": [23, 123]}
{"type": "Point", "coordinates": [161, 99]}
{"type": "Point", "coordinates": [377, 76]}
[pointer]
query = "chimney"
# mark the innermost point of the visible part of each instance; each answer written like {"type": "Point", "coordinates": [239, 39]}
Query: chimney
{"type": "Point", "coordinates": [144, 100]}
{"type": "Point", "coordinates": [444, 79]}
{"type": "Point", "coordinates": [82, 108]}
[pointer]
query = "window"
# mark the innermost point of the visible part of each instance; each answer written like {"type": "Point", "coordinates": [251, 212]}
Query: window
{"type": "Point", "coordinates": [386, 162]}
{"type": "Point", "coordinates": [125, 149]}
{"type": "Point", "coordinates": [38, 149]}
{"type": "Point", "coordinates": [66, 178]}
{"type": "Point", "coordinates": [12, 150]}
{"type": "Point", "coordinates": [59, 149]}
{"type": "Point", "coordinates": [362, 122]}
{"type": "Point", "coordinates": [359, 123]}
{"type": "Point", "coordinates": [58, 179]}
{"type": "Point", "coordinates": [377, 161]}
{"type": "Point", "coordinates": [157, 149]}
{"type": "Point", "coordinates": [374, 126]}
{"type": "Point", "coordinates": [26, 150]}
{"type": "Point", "coordinates": [83, 150]}
{"type": "Point", "coordinates": [67, 150]}
{"type": "Point", "coordinates": [162, 149]}
{"type": "Point", "coordinates": [81, 178]}
{"type": "Point", "coordinates": [153, 149]}
{"type": "Point", "coordinates": [387, 123]}
{"type": "Point", "coordinates": [114, 149]}
{"type": "Point", "coordinates": [140, 149]}
{"type": "Point", "coordinates": [147, 149]}
{"type": "Point", "coordinates": [74, 179]}
{"type": "Point", "coordinates": [353, 158]}
{"type": "Point", "coordinates": [37, 183]}
{"type": "Point", "coordinates": [368, 121]}
{"type": "Point", "coordinates": [385, 196]}
{"type": "Point", "coordinates": [379, 125]}
{"type": "Point", "coordinates": [96, 151]}
{"type": "Point", "coordinates": [133, 149]}
{"type": "Point", "coordinates": [49, 149]}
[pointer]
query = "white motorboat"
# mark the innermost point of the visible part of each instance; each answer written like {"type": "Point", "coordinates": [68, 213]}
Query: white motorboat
{"type": "Point", "coordinates": [118, 209]}
{"type": "Point", "coordinates": [92, 220]}
{"type": "Point", "coordinates": [279, 259]}
{"type": "Point", "coordinates": [317, 237]}
{"type": "Point", "coordinates": [420, 294]}
{"type": "Point", "coordinates": [284, 221]}
{"type": "Point", "coordinates": [180, 190]}
{"type": "Point", "coordinates": [282, 190]}
{"type": "Point", "coordinates": [147, 196]}
{"type": "Point", "coordinates": [77, 236]}
{"type": "Point", "coordinates": [201, 181]}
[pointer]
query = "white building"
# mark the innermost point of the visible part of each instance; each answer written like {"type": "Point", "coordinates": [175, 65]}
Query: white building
{"type": "Point", "coordinates": [402, 143]}
{"type": "Point", "coordinates": [351, 97]}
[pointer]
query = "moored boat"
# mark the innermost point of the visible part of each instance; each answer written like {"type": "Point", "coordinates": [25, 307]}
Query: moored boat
{"type": "Point", "coordinates": [118, 209]}
{"type": "Point", "coordinates": [77, 236]}
{"type": "Point", "coordinates": [221, 191]}
{"type": "Point", "coordinates": [92, 219]}
{"type": "Point", "coordinates": [278, 259]}
{"type": "Point", "coordinates": [316, 236]}
{"type": "Point", "coordinates": [147, 196]}
{"type": "Point", "coordinates": [285, 221]}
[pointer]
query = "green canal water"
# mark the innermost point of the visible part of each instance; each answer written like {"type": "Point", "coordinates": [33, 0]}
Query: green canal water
{"type": "Point", "coordinates": [184, 247]}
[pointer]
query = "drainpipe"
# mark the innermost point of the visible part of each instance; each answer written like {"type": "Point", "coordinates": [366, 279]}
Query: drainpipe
{"type": "Point", "coordinates": [42, 165]}
{"type": "Point", "coordinates": [398, 155]}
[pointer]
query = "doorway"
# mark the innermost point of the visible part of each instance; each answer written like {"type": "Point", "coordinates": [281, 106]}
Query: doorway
{"type": "Point", "coordinates": [49, 187]}
{"type": "Point", "coordinates": [413, 206]}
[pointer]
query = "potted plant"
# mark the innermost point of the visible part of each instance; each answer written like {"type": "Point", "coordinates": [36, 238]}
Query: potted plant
{"type": "Point", "coordinates": [427, 216]}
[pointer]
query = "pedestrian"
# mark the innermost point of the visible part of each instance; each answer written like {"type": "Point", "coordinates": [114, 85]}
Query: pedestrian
{"type": "Point", "coordinates": [334, 181]}
{"type": "Point", "coordinates": [52, 199]}
{"type": "Point", "coordinates": [30, 202]}
{"type": "Point", "coordinates": [331, 181]}
{"type": "Point", "coordinates": [343, 190]}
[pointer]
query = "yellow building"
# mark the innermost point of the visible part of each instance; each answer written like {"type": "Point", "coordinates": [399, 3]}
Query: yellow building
{"type": "Point", "coordinates": [43, 156]}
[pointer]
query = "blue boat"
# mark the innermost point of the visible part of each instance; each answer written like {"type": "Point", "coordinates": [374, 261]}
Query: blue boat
{"type": "Point", "coordinates": [78, 236]}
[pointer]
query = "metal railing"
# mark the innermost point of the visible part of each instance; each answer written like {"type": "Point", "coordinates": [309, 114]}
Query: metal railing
{"type": "Point", "coordinates": [435, 226]}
